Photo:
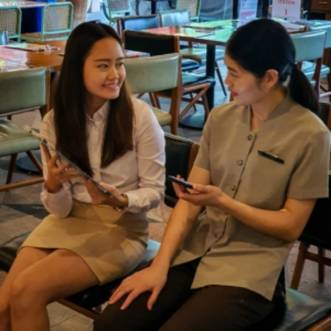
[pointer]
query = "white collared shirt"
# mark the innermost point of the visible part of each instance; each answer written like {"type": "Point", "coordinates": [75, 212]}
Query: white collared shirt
{"type": "Point", "coordinates": [140, 173]}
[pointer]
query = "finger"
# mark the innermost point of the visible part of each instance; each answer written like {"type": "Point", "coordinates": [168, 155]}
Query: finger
{"type": "Point", "coordinates": [130, 298]}
{"type": "Point", "coordinates": [153, 297]}
{"type": "Point", "coordinates": [46, 152]}
{"type": "Point", "coordinates": [117, 295]}
{"type": "Point", "coordinates": [52, 161]}
{"type": "Point", "coordinates": [178, 189]}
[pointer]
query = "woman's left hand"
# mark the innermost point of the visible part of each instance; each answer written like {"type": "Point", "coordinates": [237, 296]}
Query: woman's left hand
{"type": "Point", "coordinates": [114, 199]}
{"type": "Point", "coordinates": [201, 195]}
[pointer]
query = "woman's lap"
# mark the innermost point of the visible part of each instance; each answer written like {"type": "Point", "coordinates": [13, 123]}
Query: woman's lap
{"type": "Point", "coordinates": [180, 308]}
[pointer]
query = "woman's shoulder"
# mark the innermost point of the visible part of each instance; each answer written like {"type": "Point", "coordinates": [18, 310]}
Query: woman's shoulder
{"type": "Point", "coordinates": [227, 112]}
{"type": "Point", "coordinates": [142, 110]}
{"type": "Point", "coordinates": [48, 119]}
{"type": "Point", "coordinates": [307, 121]}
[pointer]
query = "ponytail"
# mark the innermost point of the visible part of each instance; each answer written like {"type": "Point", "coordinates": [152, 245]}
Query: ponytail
{"type": "Point", "coordinates": [301, 90]}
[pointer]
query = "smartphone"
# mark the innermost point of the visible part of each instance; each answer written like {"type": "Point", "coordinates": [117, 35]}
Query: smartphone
{"type": "Point", "coordinates": [82, 173]}
{"type": "Point", "coordinates": [180, 181]}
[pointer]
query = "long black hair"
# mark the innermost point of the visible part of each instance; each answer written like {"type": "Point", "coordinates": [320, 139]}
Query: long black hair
{"type": "Point", "coordinates": [264, 44]}
{"type": "Point", "coordinates": [70, 103]}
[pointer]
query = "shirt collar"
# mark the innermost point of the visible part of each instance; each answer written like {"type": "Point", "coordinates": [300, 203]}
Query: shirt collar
{"type": "Point", "coordinates": [100, 114]}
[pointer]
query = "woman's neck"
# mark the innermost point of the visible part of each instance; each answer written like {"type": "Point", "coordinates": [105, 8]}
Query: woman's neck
{"type": "Point", "coordinates": [94, 105]}
{"type": "Point", "coordinates": [261, 110]}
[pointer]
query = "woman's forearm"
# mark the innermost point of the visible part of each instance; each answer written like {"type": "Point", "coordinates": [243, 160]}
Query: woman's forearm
{"type": "Point", "coordinates": [286, 223]}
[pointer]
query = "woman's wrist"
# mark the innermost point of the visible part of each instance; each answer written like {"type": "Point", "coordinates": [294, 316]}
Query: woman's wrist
{"type": "Point", "coordinates": [52, 186]}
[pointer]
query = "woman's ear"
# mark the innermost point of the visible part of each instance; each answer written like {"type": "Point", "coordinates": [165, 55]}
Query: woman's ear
{"type": "Point", "coordinates": [270, 79]}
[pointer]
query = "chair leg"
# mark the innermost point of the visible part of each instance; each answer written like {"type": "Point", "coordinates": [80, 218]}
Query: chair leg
{"type": "Point", "coordinates": [303, 248]}
{"type": "Point", "coordinates": [11, 168]}
{"type": "Point", "coordinates": [321, 255]}
{"type": "Point", "coordinates": [35, 161]}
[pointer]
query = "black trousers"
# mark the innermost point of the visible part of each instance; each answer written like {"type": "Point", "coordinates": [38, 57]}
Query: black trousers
{"type": "Point", "coordinates": [179, 308]}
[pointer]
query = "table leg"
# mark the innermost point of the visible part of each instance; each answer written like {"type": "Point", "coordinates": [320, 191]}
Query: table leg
{"type": "Point", "coordinates": [210, 72]}
{"type": "Point", "coordinates": [153, 7]}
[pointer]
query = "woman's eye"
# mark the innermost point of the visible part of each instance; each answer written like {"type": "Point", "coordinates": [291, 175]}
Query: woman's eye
{"type": "Point", "coordinates": [119, 64]}
{"type": "Point", "coordinates": [103, 66]}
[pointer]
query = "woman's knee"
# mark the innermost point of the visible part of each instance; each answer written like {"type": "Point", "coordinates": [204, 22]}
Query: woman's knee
{"type": "Point", "coordinates": [25, 293]}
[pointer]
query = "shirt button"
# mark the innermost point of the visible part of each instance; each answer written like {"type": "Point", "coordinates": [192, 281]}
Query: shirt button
{"type": "Point", "coordinates": [240, 162]}
{"type": "Point", "coordinates": [233, 188]}
{"type": "Point", "coordinates": [250, 137]}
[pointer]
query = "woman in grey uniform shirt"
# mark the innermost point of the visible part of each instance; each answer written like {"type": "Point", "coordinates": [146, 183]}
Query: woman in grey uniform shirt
{"type": "Point", "coordinates": [263, 162]}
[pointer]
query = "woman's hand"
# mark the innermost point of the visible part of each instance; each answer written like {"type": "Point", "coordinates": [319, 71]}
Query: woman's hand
{"type": "Point", "coordinates": [114, 198]}
{"type": "Point", "coordinates": [201, 195]}
{"type": "Point", "coordinates": [57, 172]}
{"type": "Point", "coordinates": [150, 279]}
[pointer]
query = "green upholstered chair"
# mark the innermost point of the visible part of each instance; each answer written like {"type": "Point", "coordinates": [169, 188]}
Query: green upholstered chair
{"type": "Point", "coordinates": [310, 46]}
{"type": "Point", "coordinates": [193, 6]}
{"type": "Point", "coordinates": [325, 70]}
{"type": "Point", "coordinates": [57, 23]}
{"type": "Point", "coordinates": [196, 52]}
{"type": "Point", "coordinates": [10, 21]}
{"type": "Point", "coordinates": [155, 74]}
{"type": "Point", "coordinates": [20, 91]}
{"type": "Point", "coordinates": [193, 86]}
{"type": "Point", "coordinates": [113, 9]}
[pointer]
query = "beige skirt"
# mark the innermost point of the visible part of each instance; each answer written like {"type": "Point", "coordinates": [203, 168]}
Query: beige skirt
{"type": "Point", "coordinates": [112, 243]}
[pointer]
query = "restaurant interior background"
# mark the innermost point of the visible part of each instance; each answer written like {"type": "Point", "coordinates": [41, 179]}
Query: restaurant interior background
{"type": "Point", "coordinates": [21, 210]}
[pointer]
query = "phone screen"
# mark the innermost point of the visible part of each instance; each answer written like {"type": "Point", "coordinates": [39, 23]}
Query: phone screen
{"type": "Point", "coordinates": [180, 181]}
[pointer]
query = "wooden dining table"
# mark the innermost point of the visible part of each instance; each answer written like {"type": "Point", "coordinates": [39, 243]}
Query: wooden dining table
{"type": "Point", "coordinates": [212, 34]}
{"type": "Point", "coordinates": [49, 55]}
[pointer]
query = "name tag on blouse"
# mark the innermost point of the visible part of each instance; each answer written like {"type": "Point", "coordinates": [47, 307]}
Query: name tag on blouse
{"type": "Point", "coordinates": [271, 156]}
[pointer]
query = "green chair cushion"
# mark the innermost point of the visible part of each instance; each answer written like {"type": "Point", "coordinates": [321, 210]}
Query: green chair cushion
{"type": "Point", "coordinates": [308, 69]}
{"type": "Point", "coordinates": [14, 139]}
{"type": "Point", "coordinates": [164, 118]}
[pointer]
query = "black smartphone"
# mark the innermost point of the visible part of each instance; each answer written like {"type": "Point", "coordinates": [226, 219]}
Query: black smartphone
{"type": "Point", "coordinates": [180, 181]}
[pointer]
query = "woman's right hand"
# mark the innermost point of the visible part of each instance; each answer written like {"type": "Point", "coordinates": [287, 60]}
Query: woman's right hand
{"type": "Point", "coordinates": [150, 279]}
{"type": "Point", "coordinates": [57, 172]}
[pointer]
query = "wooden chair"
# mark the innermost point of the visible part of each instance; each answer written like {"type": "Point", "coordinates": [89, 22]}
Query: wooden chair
{"type": "Point", "coordinates": [151, 69]}
{"type": "Point", "coordinates": [57, 23]}
{"type": "Point", "coordinates": [193, 6]}
{"type": "Point", "coordinates": [310, 46]}
{"type": "Point", "coordinates": [193, 86]}
{"type": "Point", "coordinates": [115, 8]}
{"type": "Point", "coordinates": [20, 91]}
{"type": "Point", "coordinates": [195, 52]}
{"type": "Point", "coordinates": [316, 233]}
{"type": "Point", "coordinates": [10, 21]}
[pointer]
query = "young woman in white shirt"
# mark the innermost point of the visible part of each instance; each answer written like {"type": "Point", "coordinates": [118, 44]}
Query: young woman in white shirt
{"type": "Point", "coordinates": [89, 237]}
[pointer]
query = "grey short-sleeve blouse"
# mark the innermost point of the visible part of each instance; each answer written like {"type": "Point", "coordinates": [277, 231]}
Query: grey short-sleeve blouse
{"type": "Point", "coordinates": [288, 157]}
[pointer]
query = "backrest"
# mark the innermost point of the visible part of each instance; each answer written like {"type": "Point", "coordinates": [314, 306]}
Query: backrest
{"type": "Point", "coordinates": [57, 18]}
{"type": "Point", "coordinates": [318, 229]}
{"type": "Point", "coordinates": [174, 17]}
{"type": "Point", "coordinates": [193, 6]}
{"type": "Point", "coordinates": [116, 8]}
{"type": "Point", "coordinates": [24, 89]}
{"type": "Point", "coordinates": [326, 28]}
{"type": "Point", "coordinates": [151, 43]}
{"type": "Point", "coordinates": [309, 45]}
{"type": "Point", "coordinates": [216, 10]}
{"type": "Point", "coordinates": [143, 73]}
{"type": "Point", "coordinates": [180, 155]}
{"type": "Point", "coordinates": [138, 23]}
{"type": "Point", "coordinates": [10, 20]}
